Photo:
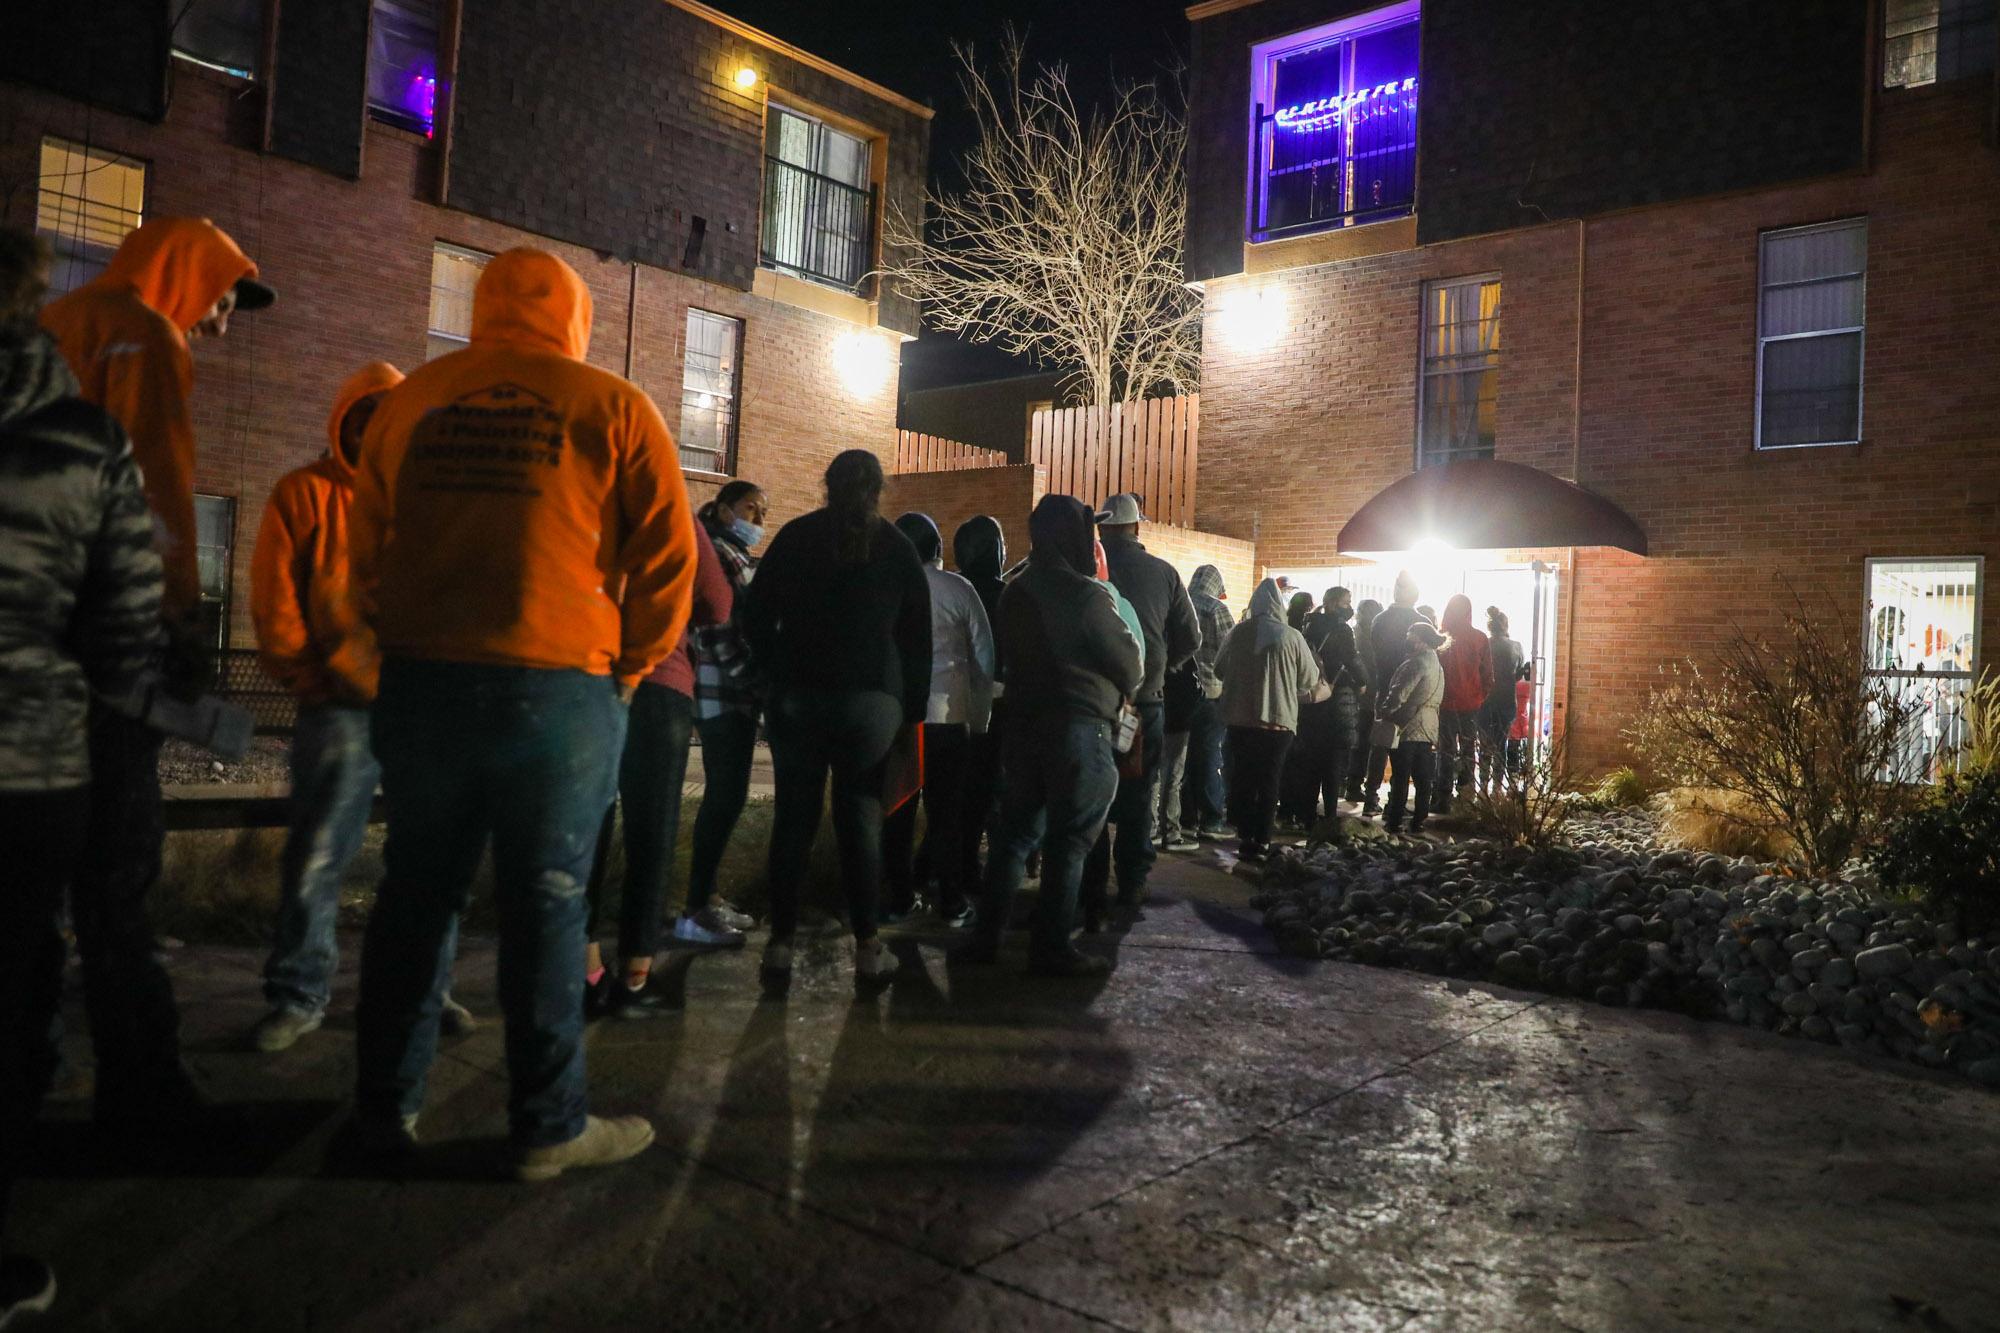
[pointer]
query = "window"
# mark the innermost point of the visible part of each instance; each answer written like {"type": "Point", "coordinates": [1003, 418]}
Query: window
{"type": "Point", "coordinates": [89, 200]}
{"type": "Point", "coordinates": [402, 64]}
{"type": "Point", "coordinates": [1334, 139]}
{"type": "Point", "coordinates": [222, 34]}
{"type": "Point", "coordinates": [819, 212]}
{"type": "Point", "coordinates": [1458, 392]}
{"type": "Point", "coordinates": [1922, 638]}
{"type": "Point", "coordinates": [454, 273]}
{"type": "Point", "coordinates": [214, 533]}
{"type": "Point", "coordinates": [1810, 312]}
{"type": "Point", "coordinates": [1934, 41]}
{"type": "Point", "coordinates": [711, 373]}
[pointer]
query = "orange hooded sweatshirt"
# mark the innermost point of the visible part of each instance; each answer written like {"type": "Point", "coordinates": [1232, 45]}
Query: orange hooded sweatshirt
{"type": "Point", "coordinates": [124, 333]}
{"type": "Point", "coordinates": [307, 634]}
{"type": "Point", "coordinates": [514, 505]}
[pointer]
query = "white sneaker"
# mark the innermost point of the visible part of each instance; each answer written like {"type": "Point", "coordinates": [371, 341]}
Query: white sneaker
{"type": "Point", "coordinates": [725, 915]}
{"type": "Point", "coordinates": [707, 931]}
{"type": "Point", "coordinates": [872, 962]}
{"type": "Point", "coordinates": [279, 1029]}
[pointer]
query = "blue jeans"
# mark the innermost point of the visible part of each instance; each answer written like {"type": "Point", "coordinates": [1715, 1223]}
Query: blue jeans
{"type": "Point", "coordinates": [1132, 811]}
{"type": "Point", "coordinates": [528, 758]}
{"type": "Point", "coordinates": [1203, 796]}
{"type": "Point", "coordinates": [1057, 782]}
{"type": "Point", "coordinates": [333, 787]}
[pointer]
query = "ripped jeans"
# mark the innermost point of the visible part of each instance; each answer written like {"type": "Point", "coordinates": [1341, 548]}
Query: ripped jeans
{"type": "Point", "coordinates": [527, 758]}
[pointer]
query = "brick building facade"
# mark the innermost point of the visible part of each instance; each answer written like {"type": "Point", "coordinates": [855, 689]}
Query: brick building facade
{"type": "Point", "coordinates": [640, 156]}
{"type": "Point", "coordinates": [1615, 301]}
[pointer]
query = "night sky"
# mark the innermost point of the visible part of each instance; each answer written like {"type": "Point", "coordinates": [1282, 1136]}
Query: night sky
{"type": "Point", "coordinates": [906, 45]}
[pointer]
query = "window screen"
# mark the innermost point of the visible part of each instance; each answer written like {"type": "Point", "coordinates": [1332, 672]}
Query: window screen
{"type": "Point", "coordinates": [1459, 390]}
{"type": "Point", "coordinates": [711, 371]}
{"type": "Point", "coordinates": [1810, 316]}
{"type": "Point", "coordinates": [454, 273]}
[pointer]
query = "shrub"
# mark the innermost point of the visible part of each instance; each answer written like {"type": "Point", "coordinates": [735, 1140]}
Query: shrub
{"type": "Point", "coordinates": [1980, 711]}
{"type": "Point", "coordinates": [1533, 813]}
{"type": "Point", "coordinates": [1947, 850]}
{"type": "Point", "coordinates": [1794, 727]}
{"type": "Point", "coordinates": [1705, 820]}
{"type": "Point", "coordinates": [1619, 789]}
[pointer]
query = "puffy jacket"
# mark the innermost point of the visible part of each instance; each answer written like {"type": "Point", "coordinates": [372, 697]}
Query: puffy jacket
{"type": "Point", "coordinates": [1414, 695]}
{"type": "Point", "coordinates": [308, 636]}
{"type": "Point", "coordinates": [1155, 590]}
{"type": "Point", "coordinates": [79, 578]}
{"type": "Point", "coordinates": [515, 505]}
{"type": "Point", "coordinates": [124, 333]}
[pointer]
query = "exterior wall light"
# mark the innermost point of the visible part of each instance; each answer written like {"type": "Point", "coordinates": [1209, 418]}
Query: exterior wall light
{"type": "Point", "coordinates": [745, 78]}
{"type": "Point", "coordinates": [862, 362]}
{"type": "Point", "coordinates": [1250, 319]}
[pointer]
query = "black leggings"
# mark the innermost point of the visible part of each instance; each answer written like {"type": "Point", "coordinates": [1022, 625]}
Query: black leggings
{"type": "Point", "coordinates": [650, 776]}
{"type": "Point", "coordinates": [1411, 762]}
{"type": "Point", "coordinates": [1256, 767]}
{"type": "Point", "coordinates": [814, 732]}
{"type": "Point", "coordinates": [728, 748]}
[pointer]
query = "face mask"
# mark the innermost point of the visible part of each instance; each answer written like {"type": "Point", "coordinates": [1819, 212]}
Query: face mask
{"type": "Point", "coordinates": [1343, 614]}
{"type": "Point", "coordinates": [746, 532]}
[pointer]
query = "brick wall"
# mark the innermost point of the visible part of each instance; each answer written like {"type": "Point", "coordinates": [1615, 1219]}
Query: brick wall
{"type": "Point", "coordinates": [1008, 494]}
{"type": "Point", "coordinates": [1187, 549]}
{"type": "Point", "coordinates": [351, 261]}
{"type": "Point", "coordinates": [1297, 435]}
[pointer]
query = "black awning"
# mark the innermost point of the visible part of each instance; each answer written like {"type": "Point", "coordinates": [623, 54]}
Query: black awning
{"type": "Point", "coordinates": [1487, 505]}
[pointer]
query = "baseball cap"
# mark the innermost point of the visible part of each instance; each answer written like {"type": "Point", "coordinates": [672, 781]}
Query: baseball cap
{"type": "Point", "coordinates": [1121, 509]}
{"type": "Point", "coordinates": [254, 295]}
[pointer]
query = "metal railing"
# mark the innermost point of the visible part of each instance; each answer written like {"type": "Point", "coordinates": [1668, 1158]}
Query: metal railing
{"type": "Point", "coordinates": [817, 227]}
{"type": "Point", "coordinates": [1334, 172]}
{"type": "Point", "coordinates": [241, 679]}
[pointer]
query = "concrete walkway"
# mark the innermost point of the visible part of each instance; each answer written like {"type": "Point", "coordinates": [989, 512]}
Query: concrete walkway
{"type": "Point", "coordinates": [1214, 1138]}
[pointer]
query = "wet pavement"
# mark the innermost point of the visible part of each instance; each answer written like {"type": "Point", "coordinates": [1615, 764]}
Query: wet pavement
{"type": "Point", "coordinates": [1215, 1137]}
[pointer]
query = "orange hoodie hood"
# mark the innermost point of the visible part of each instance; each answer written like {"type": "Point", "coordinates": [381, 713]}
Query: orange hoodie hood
{"type": "Point", "coordinates": [530, 298]}
{"type": "Point", "coordinates": [178, 266]}
{"type": "Point", "coordinates": [375, 377]}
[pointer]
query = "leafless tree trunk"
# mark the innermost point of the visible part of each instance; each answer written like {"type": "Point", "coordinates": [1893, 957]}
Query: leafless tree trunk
{"type": "Point", "coordinates": [1065, 243]}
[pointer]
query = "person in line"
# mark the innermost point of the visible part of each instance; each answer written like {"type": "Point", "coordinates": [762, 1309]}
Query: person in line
{"type": "Point", "coordinates": [1428, 615]}
{"type": "Point", "coordinates": [1468, 679]}
{"type": "Point", "coordinates": [1180, 699]}
{"type": "Point", "coordinates": [727, 703]}
{"type": "Point", "coordinates": [1364, 651]}
{"type": "Point", "coordinates": [1389, 645]}
{"type": "Point", "coordinates": [524, 550]}
{"type": "Point", "coordinates": [1305, 762]}
{"type": "Point", "coordinates": [1202, 796]}
{"type": "Point", "coordinates": [1340, 665]}
{"type": "Point", "coordinates": [79, 612]}
{"type": "Point", "coordinates": [1521, 736]}
{"type": "Point", "coordinates": [979, 549]}
{"type": "Point", "coordinates": [1496, 714]}
{"type": "Point", "coordinates": [1172, 634]}
{"type": "Point", "coordinates": [125, 334]}
{"type": "Point", "coordinates": [652, 771]}
{"type": "Point", "coordinates": [1410, 703]}
{"type": "Point", "coordinates": [1267, 673]}
{"type": "Point", "coordinates": [840, 619]}
{"type": "Point", "coordinates": [310, 642]}
{"type": "Point", "coordinates": [1070, 662]}
{"type": "Point", "coordinates": [961, 705]}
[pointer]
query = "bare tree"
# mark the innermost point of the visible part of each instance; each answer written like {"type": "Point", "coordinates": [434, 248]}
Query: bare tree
{"type": "Point", "coordinates": [1065, 243]}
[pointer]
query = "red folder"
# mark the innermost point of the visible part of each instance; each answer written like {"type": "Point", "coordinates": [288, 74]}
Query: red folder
{"type": "Point", "coordinates": [903, 770]}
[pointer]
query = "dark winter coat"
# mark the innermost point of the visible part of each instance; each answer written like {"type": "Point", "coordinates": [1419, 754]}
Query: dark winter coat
{"type": "Point", "coordinates": [79, 578]}
{"type": "Point", "coordinates": [1155, 590]}
{"type": "Point", "coordinates": [1068, 653]}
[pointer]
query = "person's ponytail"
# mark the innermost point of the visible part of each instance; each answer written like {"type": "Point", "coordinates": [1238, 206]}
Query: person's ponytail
{"type": "Point", "coordinates": [854, 497]}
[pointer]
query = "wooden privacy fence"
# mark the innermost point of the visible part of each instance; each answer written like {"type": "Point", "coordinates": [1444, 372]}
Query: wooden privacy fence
{"type": "Point", "coordinates": [1147, 446]}
{"type": "Point", "coordinates": [933, 453]}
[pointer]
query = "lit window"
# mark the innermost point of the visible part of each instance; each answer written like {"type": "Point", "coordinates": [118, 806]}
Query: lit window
{"type": "Point", "coordinates": [215, 533]}
{"type": "Point", "coordinates": [1935, 41]}
{"type": "Point", "coordinates": [1922, 639]}
{"type": "Point", "coordinates": [89, 200]}
{"type": "Point", "coordinates": [1458, 393]}
{"type": "Point", "coordinates": [819, 211]}
{"type": "Point", "coordinates": [454, 274]}
{"type": "Point", "coordinates": [711, 370]}
{"type": "Point", "coordinates": [222, 34]}
{"type": "Point", "coordinates": [402, 64]}
{"type": "Point", "coordinates": [1809, 334]}
{"type": "Point", "coordinates": [1335, 141]}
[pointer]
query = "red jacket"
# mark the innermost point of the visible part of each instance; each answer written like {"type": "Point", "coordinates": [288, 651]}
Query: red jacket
{"type": "Point", "coordinates": [714, 598]}
{"type": "Point", "coordinates": [1468, 670]}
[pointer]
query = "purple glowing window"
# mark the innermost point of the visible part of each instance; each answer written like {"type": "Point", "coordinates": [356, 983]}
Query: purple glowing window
{"type": "Point", "coordinates": [1336, 125]}
{"type": "Point", "coordinates": [402, 64]}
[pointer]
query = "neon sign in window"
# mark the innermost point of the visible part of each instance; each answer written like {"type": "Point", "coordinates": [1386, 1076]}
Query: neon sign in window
{"type": "Point", "coordinates": [1336, 124]}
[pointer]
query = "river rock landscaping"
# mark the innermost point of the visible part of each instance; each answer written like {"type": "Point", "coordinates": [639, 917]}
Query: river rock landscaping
{"type": "Point", "coordinates": [1617, 918]}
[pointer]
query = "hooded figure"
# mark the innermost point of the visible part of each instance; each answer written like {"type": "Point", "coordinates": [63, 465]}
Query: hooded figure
{"type": "Point", "coordinates": [1266, 666]}
{"type": "Point", "coordinates": [480, 529]}
{"type": "Point", "coordinates": [308, 636]}
{"type": "Point", "coordinates": [125, 334]}
{"type": "Point", "coordinates": [1211, 610]}
{"type": "Point", "coordinates": [961, 635]}
{"type": "Point", "coordinates": [979, 550]}
{"type": "Point", "coordinates": [922, 530]}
